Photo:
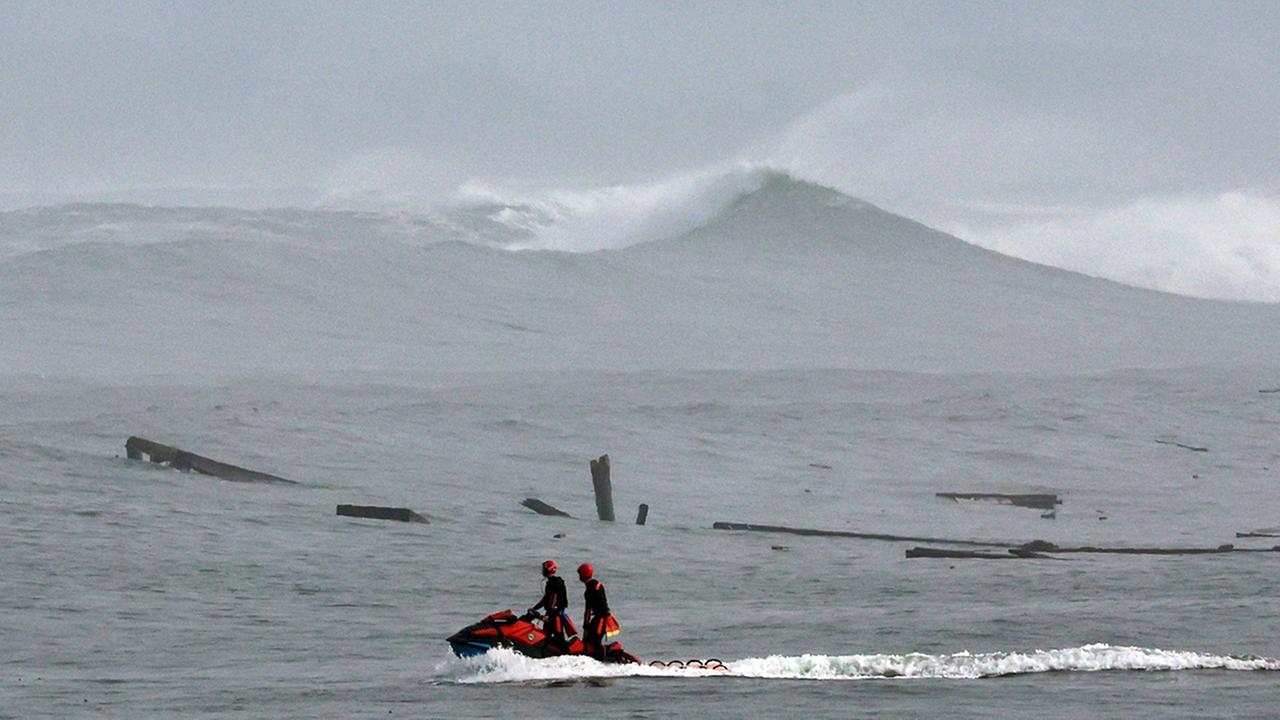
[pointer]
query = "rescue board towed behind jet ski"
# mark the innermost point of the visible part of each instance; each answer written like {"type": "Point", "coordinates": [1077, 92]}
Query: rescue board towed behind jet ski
{"type": "Point", "coordinates": [520, 634]}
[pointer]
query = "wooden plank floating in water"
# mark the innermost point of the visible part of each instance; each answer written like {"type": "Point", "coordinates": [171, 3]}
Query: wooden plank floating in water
{"type": "Point", "coordinates": [1048, 547]}
{"type": "Point", "coordinates": [542, 508]}
{"type": "Point", "coordinates": [1040, 547]}
{"type": "Point", "coordinates": [1043, 501]}
{"type": "Point", "coordinates": [1192, 448]}
{"type": "Point", "coordinates": [1258, 534]}
{"type": "Point", "coordinates": [136, 447]}
{"type": "Point", "coordinates": [603, 487]}
{"type": "Point", "coordinates": [374, 512]}
{"type": "Point", "coordinates": [1012, 554]}
{"type": "Point", "coordinates": [855, 535]}
{"type": "Point", "coordinates": [1021, 550]}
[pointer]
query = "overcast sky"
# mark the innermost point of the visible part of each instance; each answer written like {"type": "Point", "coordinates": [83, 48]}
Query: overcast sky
{"type": "Point", "coordinates": [954, 112]}
{"type": "Point", "coordinates": [1039, 100]}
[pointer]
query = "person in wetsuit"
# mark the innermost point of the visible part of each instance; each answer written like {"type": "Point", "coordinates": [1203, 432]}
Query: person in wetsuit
{"type": "Point", "coordinates": [597, 609]}
{"type": "Point", "coordinates": [555, 601]}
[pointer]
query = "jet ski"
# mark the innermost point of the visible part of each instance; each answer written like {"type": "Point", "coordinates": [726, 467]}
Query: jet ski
{"type": "Point", "coordinates": [505, 630]}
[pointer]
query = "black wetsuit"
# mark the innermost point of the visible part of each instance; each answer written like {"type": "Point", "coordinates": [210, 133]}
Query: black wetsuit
{"type": "Point", "coordinates": [597, 609]}
{"type": "Point", "coordinates": [555, 599]}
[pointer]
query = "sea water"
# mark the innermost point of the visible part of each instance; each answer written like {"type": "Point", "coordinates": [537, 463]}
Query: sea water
{"type": "Point", "coordinates": [133, 590]}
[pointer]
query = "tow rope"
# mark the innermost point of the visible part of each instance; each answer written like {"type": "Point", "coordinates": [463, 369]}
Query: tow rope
{"type": "Point", "coordinates": [708, 664]}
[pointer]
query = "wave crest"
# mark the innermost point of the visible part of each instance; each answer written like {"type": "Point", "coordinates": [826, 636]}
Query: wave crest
{"type": "Point", "coordinates": [618, 216]}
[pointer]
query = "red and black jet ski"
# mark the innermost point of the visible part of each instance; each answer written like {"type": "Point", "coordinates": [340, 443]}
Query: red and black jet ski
{"type": "Point", "coordinates": [504, 629]}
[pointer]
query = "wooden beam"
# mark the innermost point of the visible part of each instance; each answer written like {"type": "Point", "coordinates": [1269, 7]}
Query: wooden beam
{"type": "Point", "coordinates": [1042, 501]}
{"type": "Point", "coordinates": [856, 535]}
{"type": "Point", "coordinates": [542, 508]}
{"type": "Point", "coordinates": [1011, 554]}
{"type": "Point", "coordinates": [1042, 546]}
{"type": "Point", "coordinates": [1192, 448]}
{"type": "Point", "coordinates": [603, 487]}
{"type": "Point", "coordinates": [135, 448]}
{"type": "Point", "coordinates": [374, 512]}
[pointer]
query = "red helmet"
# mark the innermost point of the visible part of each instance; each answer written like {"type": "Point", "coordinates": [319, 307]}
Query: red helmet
{"type": "Point", "coordinates": [585, 572]}
{"type": "Point", "coordinates": [549, 567]}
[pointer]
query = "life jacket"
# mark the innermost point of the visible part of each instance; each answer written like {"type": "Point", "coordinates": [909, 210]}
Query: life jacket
{"type": "Point", "coordinates": [611, 627]}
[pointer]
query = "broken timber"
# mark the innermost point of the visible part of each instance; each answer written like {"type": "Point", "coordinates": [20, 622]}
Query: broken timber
{"type": "Point", "coordinates": [542, 508]}
{"type": "Point", "coordinates": [1041, 546]}
{"type": "Point", "coordinates": [1038, 501]}
{"type": "Point", "coordinates": [856, 535]}
{"type": "Point", "coordinates": [1012, 554]}
{"type": "Point", "coordinates": [1020, 550]}
{"type": "Point", "coordinates": [603, 487]}
{"type": "Point", "coordinates": [136, 447]}
{"type": "Point", "coordinates": [1192, 448]}
{"type": "Point", "coordinates": [374, 512]}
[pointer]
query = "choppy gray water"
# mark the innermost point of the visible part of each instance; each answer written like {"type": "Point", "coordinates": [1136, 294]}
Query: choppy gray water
{"type": "Point", "coordinates": [138, 591]}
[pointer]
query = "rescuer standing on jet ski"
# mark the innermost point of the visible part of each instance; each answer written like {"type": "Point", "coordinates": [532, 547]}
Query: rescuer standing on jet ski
{"type": "Point", "coordinates": [555, 600]}
{"type": "Point", "coordinates": [595, 620]}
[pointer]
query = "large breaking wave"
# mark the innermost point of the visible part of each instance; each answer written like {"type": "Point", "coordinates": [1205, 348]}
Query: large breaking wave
{"type": "Point", "coordinates": [583, 220]}
{"type": "Point", "coordinates": [503, 666]}
{"type": "Point", "coordinates": [744, 268]}
{"type": "Point", "coordinates": [1222, 247]}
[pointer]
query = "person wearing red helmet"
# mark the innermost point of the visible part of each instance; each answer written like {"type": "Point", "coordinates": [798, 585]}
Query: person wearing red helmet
{"type": "Point", "coordinates": [555, 600]}
{"type": "Point", "coordinates": [597, 611]}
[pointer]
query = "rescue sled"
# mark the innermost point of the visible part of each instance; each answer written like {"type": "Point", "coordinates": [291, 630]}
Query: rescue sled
{"type": "Point", "coordinates": [505, 630]}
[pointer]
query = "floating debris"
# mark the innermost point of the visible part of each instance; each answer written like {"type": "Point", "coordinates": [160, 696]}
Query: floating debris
{"type": "Point", "coordinates": [136, 447]}
{"type": "Point", "coordinates": [1192, 448]}
{"type": "Point", "coordinates": [1040, 501]}
{"type": "Point", "coordinates": [603, 486]}
{"type": "Point", "coordinates": [1048, 547]}
{"type": "Point", "coordinates": [374, 512]}
{"type": "Point", "coordinates": [1011, 554]}
{"type": "Point", "coordinates": [855, 535]}
{"type": "Point", "coordinates": [542, 508]}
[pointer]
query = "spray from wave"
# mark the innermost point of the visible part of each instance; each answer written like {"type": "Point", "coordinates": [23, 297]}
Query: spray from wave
{"type": "Point", "coordinates": [503, 666]}
{"type": "Point", "coordinates": [1224, 246]}
{"type": "Point", "coordinates": [940, 154]}
{"type": "Point", "coordinates": [617, 216]}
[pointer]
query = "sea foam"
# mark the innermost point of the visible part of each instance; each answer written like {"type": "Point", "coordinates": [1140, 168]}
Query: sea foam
{"type": "Point", "coordinates": [503, 666]}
